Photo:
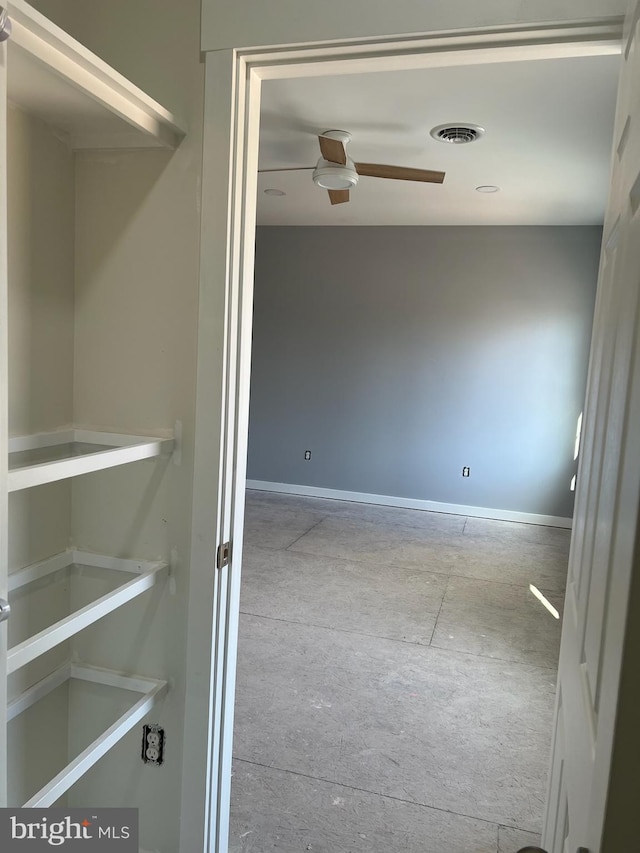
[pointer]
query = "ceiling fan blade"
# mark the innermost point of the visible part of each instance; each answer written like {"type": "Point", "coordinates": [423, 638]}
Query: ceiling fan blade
{"type": "Point", "coordinates": [288, 169]}
{"type": "Point", "coordinates": [338, 196]}
{"type": "Point", "coordinates": [401, 173]}
{"type": "Point", "coordinates": [332, 150]}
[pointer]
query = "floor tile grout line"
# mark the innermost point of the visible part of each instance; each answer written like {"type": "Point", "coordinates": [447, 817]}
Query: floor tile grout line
{"type": "Point", "coordinates": [396, 640]}
{"type": "Point", "coordinates": [358, 519]}
{"type": "Point", "coordinates": [360, 560]}
{"type": "Point", "coordinates": [355, 520]}
{"type": "Point", "coordinates": [426, 512]}
{"type": "Point", "coordinates": [345, 516]}
{"type": "Point", "coordinates": [536, 835]}
{"type": "Point", "coordinates": [352, 559]}
{"type": "Point", "coordinates": [418, 570]}
{"type": "Point", "coordinates": [397, 524]}
{"type": "Point", "coordinates": [523, 585]}
{"type": "Point", "coordinates": [333, 628]}
{"type": "Point", "coordinates": [375, 793]}
{"type": "Point", "coordinates": [313, 526]}
{"type": "Point", "coordinates": [553, 669]}
{"type": "Point", "coordinates": [435, 624]}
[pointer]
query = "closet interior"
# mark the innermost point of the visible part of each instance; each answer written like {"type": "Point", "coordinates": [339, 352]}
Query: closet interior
{"type": "Point", "coordinates": [95, 636]}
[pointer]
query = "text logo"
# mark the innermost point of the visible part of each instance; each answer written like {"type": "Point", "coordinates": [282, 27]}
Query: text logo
{"type": "Point", "coordinates": [36, 830]}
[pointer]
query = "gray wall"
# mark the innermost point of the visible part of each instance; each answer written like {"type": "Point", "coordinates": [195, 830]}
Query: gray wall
{"type": "Point", "coordinates": [399, 355]}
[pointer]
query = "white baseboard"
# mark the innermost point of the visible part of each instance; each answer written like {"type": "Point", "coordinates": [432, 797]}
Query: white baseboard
{"type": "Point", "coordinates": [410, 503]}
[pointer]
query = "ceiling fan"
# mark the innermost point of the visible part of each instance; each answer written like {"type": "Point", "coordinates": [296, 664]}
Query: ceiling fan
{"type": "Point", "coordinates": [337, 173]}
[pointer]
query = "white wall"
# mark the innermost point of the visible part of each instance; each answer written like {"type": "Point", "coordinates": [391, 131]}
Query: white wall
{"type": "Point", "coordinates": [40, 303]}
{"type": "Point", "coordinates": [247, 23]}
{"type": "Point", "coordinates": [41, 260]}
{"type": "Point", "coordinates": [41, 201]}
{"type": "Point", "coordinates": [135, 329]}
{"type": "Point", "coordinates": [134, 337]}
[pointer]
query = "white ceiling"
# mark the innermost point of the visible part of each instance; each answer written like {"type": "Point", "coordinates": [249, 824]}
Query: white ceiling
{"type": "Point", "coordinates": [549, 126]}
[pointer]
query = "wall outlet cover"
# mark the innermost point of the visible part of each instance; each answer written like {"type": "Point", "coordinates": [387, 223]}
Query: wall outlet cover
{"type": "Point", "coordinates": [153, 741]}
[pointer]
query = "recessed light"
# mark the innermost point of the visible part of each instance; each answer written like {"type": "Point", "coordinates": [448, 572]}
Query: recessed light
{"type": "Point", "coordinates": [487, 188]}
{"type": "Point", "coordinates": [273, 191]}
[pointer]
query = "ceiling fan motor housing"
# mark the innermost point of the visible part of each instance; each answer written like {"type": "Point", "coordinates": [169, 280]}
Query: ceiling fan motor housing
{"type": "Point", "coordinates": [334, 176]}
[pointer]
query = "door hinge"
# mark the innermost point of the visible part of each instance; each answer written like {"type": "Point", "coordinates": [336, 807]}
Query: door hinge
{"type": "Point", "coordinates": [223, 555]}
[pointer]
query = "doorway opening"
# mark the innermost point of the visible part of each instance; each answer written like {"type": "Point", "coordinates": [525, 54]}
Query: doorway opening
{"type": "Point", "coordinates": [397, 664]}
{"type": "Point", "coordinates": [244, 307]}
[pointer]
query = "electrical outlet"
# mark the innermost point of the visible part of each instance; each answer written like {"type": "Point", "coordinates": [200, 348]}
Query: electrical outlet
{"type": "Point", "coordinates": [307, 455]}
{"type": "Point", "coordinates": [153, 745]}
{"type": "Point", "coordinates": [466, 471]}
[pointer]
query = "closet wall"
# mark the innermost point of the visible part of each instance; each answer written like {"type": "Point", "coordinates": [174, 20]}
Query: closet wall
{"type": "Point", "coordinates": [41, 218]}
{"type": "Point", "coordinates": [135, 365]}
{"type": "Point", "coordinates": [41, 296]}
{"type": "Point", "coordinates": [103, 254]}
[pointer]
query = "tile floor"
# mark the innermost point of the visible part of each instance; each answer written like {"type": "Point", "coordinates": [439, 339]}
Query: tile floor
{"type": "Point", "coordinates": [396, 679]}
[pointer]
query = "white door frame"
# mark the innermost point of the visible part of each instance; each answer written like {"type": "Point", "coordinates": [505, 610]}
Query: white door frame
{"type": "Point", "coordinates": [231, 129]}
{"type": "Point", "coordinates": [4, 421]}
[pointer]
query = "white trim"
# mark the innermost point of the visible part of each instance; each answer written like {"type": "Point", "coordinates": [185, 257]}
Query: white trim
{"type": "Point", "coordinates": [120, 439]}
{"type": "Point", "coordinates": [439, 50]}
{"type": "Point", "coordinates": [38, 691]}
{"type": "Point", "coordinates": [411, 503]}
{"type": "Point", "coordinates": [18, 443]}
{"type": "Point", "coordinates": [35, 571]}
{"type": "Point", "coordinates": [33, 441]}
{"type": "Point", "coordinates": [114, 678]}
{"type": "Point", "coordinates": [4, 420]}
{"type": "Point", "coordinates": [115, 564]}
{"type": "Point", "coordinates": [152, 690]}
{"type": "Point", "coordinates": [73, 67]}
{"type": "Point", "coordinates": [119, 449]}
{"type": "Point", "coordinates": [148, 575]}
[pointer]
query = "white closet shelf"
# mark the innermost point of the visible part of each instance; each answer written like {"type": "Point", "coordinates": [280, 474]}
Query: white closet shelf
{"type": "Point", "coordinates": [50, 456]}
{"type": "Point", "coordinates": [146, 575]}
{"type": "Point", "coordinates": [54, 77]}
{"type": "Point", "coordinates": [152, 692]}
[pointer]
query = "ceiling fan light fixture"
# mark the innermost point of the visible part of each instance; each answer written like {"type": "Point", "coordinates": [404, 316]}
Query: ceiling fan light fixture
{"type": "Point", "coordinates": [333, 176]}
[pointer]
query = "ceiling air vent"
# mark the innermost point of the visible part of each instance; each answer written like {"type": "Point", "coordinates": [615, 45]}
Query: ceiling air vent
{"type": "Point", "coordinates": [457, 134]}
